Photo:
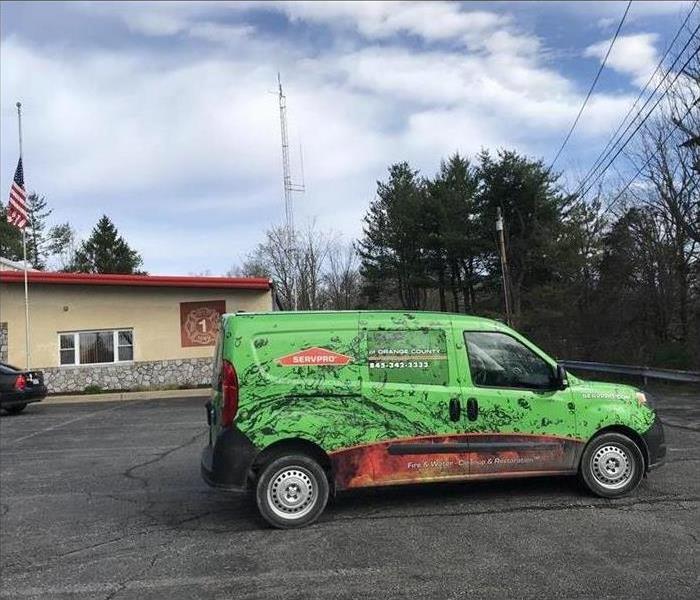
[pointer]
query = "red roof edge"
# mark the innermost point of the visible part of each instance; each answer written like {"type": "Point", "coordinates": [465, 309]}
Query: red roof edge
{"type": "Point", "coordinates": [46, 277]}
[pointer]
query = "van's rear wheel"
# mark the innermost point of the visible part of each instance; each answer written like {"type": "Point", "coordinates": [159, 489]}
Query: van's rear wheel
{"type": "Point", "coordinates": [612, 465]}
{"type": "Point", "coordinates": [292, 491]}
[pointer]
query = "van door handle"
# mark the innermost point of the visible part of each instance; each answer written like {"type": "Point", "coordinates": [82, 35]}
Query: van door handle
{"type": "Point", "coordinates": [455, 409]}
{"type": "Point", "coordinates": [472, 409]}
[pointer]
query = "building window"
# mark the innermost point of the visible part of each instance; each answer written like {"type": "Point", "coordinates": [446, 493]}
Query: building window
{"type": "Point", "coordinates": [96, 347]}
{"type": "Point", "coordinates": [67, 349]}
{"type": "Point", "coordinates": [125, 345]}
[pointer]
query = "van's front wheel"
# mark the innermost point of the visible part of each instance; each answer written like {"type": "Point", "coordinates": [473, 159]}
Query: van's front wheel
{"type": "Point", "coordinates": [292, 491]}
{"type": "Point", "coordinates": [612, 465]}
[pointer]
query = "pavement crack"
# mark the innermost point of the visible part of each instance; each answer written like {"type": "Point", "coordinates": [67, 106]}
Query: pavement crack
{"type": "Point", "coordinates": [121, 586]}
{"type": "Point", "coordinates": [130, 472]}
{"type": "Point", "coordinates": [86, 548]}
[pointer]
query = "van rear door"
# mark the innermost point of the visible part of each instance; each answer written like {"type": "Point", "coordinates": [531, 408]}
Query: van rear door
{"type": "Point", "coordinates": [213, 406]}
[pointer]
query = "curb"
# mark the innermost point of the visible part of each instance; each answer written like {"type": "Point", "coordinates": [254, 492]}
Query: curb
{"type": "Point", "coordinates": [126, 396]}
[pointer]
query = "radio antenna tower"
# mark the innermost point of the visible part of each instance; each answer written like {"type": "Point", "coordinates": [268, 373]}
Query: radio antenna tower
{"type": "Point", "coordinates": [289, 189]}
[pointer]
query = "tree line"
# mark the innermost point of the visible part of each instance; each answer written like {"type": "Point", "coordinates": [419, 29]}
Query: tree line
{"type": "Point", "coordinates": [612, 275]}
{"type": "Point", "coordinates": [58, 247]}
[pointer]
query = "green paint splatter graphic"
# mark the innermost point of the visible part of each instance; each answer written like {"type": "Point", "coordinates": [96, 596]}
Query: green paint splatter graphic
{"type": "Point", "coordinates": [341, 406]}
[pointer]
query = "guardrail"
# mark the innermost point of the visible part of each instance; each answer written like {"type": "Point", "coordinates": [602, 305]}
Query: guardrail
{"type": "Point", "coordinates": [645, 372]}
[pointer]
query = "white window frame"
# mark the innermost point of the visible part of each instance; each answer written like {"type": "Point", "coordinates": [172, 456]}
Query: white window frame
{"type": "Point", "coordinates": [76, 346]}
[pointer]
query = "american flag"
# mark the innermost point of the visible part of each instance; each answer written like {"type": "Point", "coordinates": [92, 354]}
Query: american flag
{"type": "Point", "coordinates": [17, 208]}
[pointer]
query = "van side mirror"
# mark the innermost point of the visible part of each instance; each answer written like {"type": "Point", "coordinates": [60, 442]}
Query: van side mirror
{"type": "Point", "coordinates": [561, 379]}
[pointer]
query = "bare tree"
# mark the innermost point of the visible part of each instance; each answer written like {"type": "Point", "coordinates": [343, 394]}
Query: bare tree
{"type": "Point", "coordinates": [297, 267]}
{"type": "Point", "coordinates": [61, 246]}
{"type": "Point", "coordinates": [683, 113]}
{"type": "Point", "coordinates": [273, 256]}
{"type": "Point", "coordinates": [342, 280]}
{"type": "Point", "coordinates": [669, 192]}
{"type": "Point", "coordinates": [311, 256]}
{"type": "Point", "coordinates": [252, 266]}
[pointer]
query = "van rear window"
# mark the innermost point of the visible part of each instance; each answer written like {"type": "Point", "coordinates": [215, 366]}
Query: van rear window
{"type": "Point", "coordinates": [408, 356]}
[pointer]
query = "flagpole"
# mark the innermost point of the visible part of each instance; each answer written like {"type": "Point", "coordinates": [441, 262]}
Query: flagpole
{"type": "Point", "coordinates": [24, 249]}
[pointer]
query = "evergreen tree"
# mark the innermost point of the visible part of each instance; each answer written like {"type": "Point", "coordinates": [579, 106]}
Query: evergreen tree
{"type": "Point", "coordinates": [453, 243]}
{"type": "Point", "coordinates": [38, 212]}
{"type": "Point", "coordinates": [532, 207]}
{"type": "Point", "coordinates": [105, 251]}
{"type": "Point", "coordinates": [10, 237]}
{"type": "Point", "coordinates": [392, 250]}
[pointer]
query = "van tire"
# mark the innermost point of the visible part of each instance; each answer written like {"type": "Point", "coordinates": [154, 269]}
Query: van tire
{"type": "Point", "coordinates": [291, 491]}
{"type": "Point", "coordinates": [612, 465]}
{"type": "Point", "coordinates": [15, 409]}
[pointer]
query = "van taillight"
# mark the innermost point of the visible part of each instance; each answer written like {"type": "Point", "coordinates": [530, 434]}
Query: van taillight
{"type": "Point", "coordinates": [229, 390]}
{"type": "Point", "coordinates": [20, 383]}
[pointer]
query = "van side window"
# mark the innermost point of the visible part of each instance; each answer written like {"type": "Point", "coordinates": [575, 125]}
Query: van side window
{"type": "Point", "coordinates": [498, 360]}
{"type": "Point", "coordinates": [416, 356]}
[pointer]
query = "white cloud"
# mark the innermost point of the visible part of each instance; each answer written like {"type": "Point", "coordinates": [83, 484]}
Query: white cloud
{"type": "Point", "coordinates": [221, 34]}
{"type": "Point", "coordinates": [377, 20]}
{"type": "Point", "coordinates": [183, 151]}
{"type": "Point", "coordinates": [633, 55]}
{"type": "Point", "coordinates": [433, 21]}
{"type": "Point", "coordinates": [607, 22]}
{"type": "Point", "coordinates": [155, 23]}
{"type": "Point", "coordinates": [605, 9]}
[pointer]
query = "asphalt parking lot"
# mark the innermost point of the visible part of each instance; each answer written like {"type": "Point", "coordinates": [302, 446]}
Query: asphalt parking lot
{"type": "Point", "coordinates": [105, 501]}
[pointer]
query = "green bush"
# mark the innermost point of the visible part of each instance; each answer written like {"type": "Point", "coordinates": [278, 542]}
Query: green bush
{"type": "Point", "coordinates": [93, 389]}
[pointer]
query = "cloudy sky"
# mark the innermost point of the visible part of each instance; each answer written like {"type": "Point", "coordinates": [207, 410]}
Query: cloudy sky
{"type": "Point", "coordinates": [162, 115]}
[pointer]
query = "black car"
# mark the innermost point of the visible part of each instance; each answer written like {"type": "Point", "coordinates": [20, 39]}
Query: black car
{"type": "Point", "coordinates": [18, 388]}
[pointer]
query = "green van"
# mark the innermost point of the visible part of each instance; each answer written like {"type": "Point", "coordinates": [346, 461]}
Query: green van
{"type": "Point", "coordinates": [305, 404]}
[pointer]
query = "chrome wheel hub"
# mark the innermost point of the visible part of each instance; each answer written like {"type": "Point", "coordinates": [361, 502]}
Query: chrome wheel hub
{"type": "Point", "coordinates": [611, 466]}
{"type": "Point", "coordinates": [291, 492]}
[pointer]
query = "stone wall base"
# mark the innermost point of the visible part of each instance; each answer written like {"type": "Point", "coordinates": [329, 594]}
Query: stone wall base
{"type": "Point", "coordinates": [158, 374]}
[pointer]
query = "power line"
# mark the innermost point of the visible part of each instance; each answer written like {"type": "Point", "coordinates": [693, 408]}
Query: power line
{"type": "Point", "coordinates": [603, 155]}
{"type": "Point", "coordinates": [647, 161]}
{"type": "Point", "coordinates": [590, 91]}
{"type": "Point", "coordinates": [610, 148]}
{"type": "Point", "coordinates": [636, 129]}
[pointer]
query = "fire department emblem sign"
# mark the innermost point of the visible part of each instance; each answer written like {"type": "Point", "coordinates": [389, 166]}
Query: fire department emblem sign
{"type": "Point", "coordinates": [199, 322]}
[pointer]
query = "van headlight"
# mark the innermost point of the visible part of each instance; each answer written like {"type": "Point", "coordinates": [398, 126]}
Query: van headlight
{"type": "Point", "coordinates": [645, 399]}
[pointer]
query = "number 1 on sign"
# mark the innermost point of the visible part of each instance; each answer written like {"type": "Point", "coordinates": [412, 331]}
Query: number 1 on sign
{"type": "Point", "coordinates": [203, 325]}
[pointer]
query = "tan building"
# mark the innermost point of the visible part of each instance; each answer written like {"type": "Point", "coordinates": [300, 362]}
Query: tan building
{"type": "Point", "coordinates": [120, 331]}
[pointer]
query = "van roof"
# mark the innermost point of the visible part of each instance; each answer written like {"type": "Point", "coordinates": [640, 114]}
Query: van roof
{"type": "Point", "coordinates": [433, 314]}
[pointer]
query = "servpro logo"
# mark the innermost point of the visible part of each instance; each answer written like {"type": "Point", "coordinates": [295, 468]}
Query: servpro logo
{"type": "Point", "coordinates": [313, 357]}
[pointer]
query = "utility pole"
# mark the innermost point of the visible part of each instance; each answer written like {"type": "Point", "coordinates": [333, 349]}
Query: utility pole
{"type": "Point", "coordinates": [289, 188]}
{"type": "Point", "coordinates": [504, 264]}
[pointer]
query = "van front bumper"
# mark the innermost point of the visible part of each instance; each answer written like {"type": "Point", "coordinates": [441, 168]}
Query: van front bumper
{"type": "Point", "coordinates": [226, 464]}
{"type": "Point", "coordinates": [656, 445]}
